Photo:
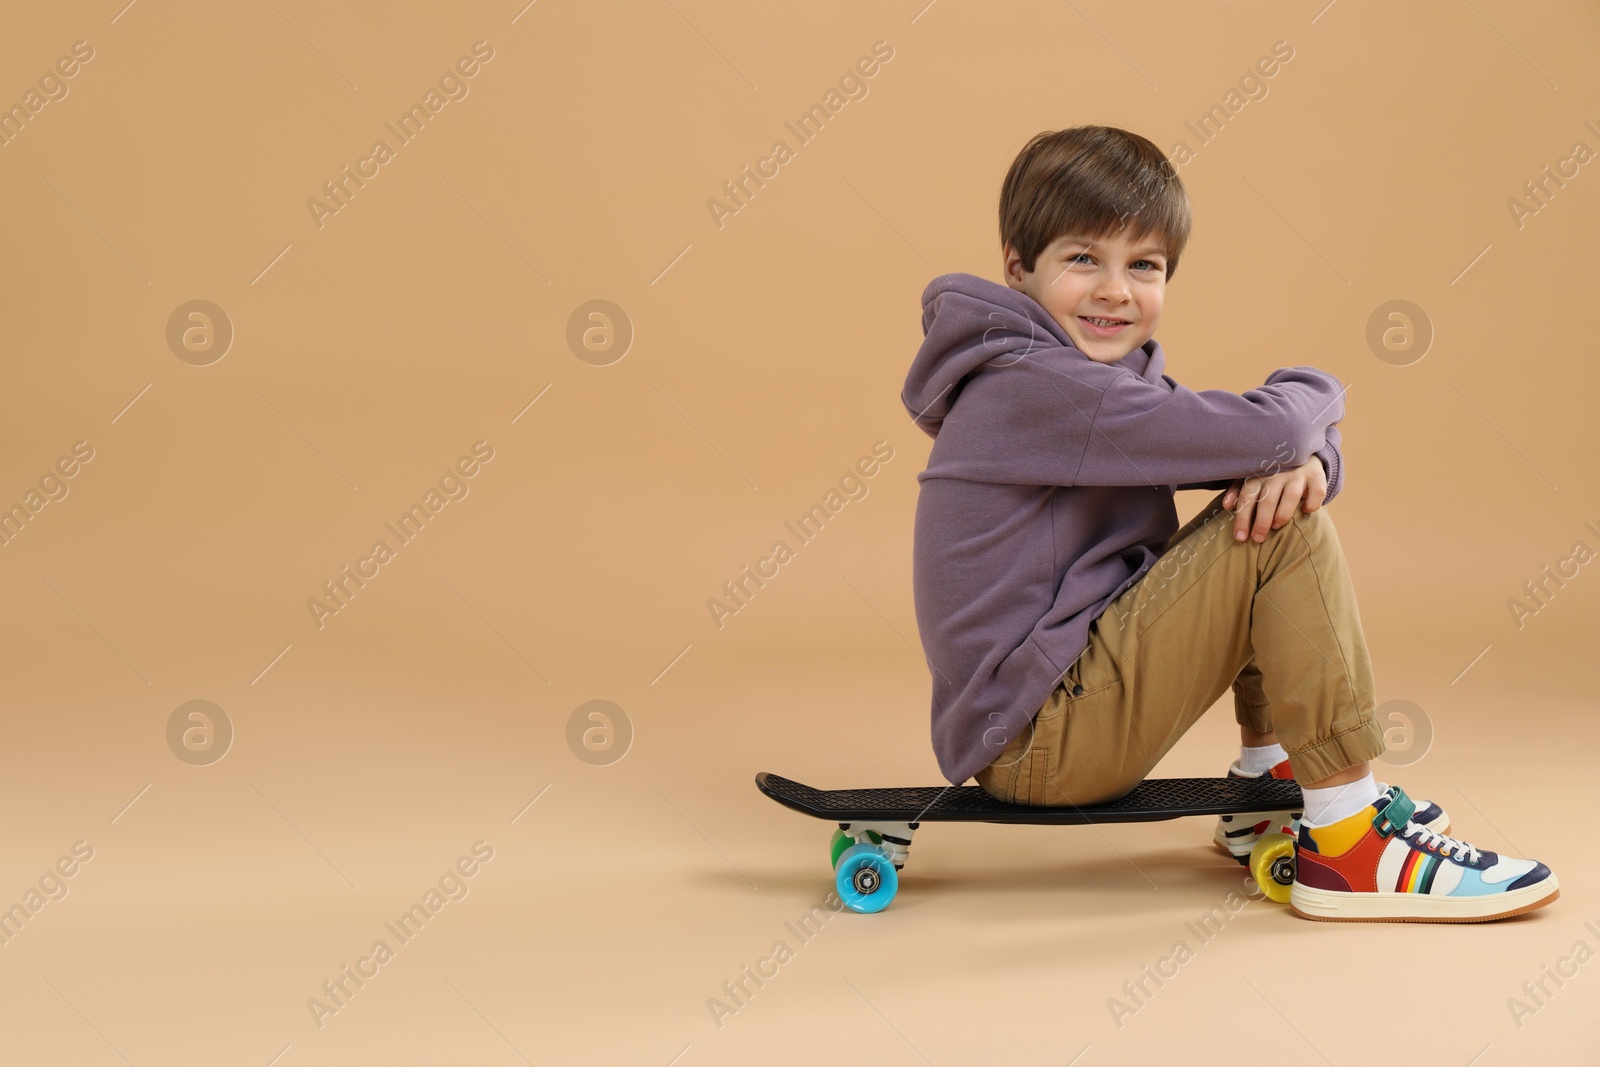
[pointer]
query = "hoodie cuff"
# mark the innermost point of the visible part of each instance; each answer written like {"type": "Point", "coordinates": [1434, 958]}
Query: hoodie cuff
{"type": "Point", "coordinates": [1333, 468]}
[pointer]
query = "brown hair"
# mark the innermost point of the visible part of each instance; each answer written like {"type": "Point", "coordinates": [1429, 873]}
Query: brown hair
{"type": "Point", "coordinates": [1091, 180]}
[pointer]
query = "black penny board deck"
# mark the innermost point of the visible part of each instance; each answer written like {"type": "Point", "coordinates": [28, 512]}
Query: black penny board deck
{"type": "Point", "coordinates": [1150, 801]}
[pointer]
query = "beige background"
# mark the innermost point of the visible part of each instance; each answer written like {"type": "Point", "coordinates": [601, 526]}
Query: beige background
{"type": "Point", "coordinates": [768, 356]}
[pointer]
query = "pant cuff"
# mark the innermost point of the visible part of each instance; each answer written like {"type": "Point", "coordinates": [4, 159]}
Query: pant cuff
{"type": "Point", "coordinates": [1323, 759]}
{"type": "Point", "coordinates": [1257, 717]}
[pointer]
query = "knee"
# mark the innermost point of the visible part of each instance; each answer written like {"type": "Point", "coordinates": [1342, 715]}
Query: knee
{"type": "Point", "coordinates": [1320, 515]}
{"type": "Point", "coordinates": [1316, 525]}
{"type": "Point", "coordinates": [1312, 526]}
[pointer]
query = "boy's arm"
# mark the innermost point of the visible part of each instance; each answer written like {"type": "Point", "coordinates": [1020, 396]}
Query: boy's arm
{"type": "Point", "coordinates": [1332, 465]}
{"type": "Point", "coordinates": [1143, 434]}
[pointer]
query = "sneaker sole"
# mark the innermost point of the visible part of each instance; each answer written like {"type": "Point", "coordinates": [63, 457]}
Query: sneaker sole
{"type": "Point", "coordinates": [1327, 905]}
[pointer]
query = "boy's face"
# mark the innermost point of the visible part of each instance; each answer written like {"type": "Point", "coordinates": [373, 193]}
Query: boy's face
{"type": "Point", "coordinates": [1111, 278]}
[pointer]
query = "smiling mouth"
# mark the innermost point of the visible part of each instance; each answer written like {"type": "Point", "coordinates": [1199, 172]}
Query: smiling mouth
{"type": "Point", "coordinates": [1103, 328]}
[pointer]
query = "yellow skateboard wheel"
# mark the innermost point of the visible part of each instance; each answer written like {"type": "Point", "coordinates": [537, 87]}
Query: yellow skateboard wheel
{"type": "Point", "coordinates": [1272, 865]}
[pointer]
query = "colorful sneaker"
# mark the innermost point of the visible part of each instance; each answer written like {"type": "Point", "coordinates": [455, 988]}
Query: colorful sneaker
{"type": "Point", "coordinates": [1381, 865]}
{"type": "Point", "coordinates": [1237, 834]}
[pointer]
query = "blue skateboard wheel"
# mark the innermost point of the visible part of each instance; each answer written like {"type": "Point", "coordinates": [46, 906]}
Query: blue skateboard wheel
{"type": "Point", "coordinates": [865, 878]}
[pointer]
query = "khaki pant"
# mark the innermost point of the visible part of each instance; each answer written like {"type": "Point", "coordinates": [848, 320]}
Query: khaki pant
{"type": "Point", "coordinates": [1274, 621]}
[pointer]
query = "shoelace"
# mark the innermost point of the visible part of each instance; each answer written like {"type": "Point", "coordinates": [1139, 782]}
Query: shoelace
{"type": "Point", "coordinates": [1439, 842]}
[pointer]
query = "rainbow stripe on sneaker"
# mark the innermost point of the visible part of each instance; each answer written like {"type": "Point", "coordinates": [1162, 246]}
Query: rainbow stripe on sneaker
{"type": "Point", "coordinates": [1416, 874]}
{"type": "Point", "coordinates": [1382, 865]}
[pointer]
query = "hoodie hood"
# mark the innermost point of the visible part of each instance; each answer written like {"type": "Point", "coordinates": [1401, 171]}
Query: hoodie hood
{"type": "Point", "coordinates": [971, 324]}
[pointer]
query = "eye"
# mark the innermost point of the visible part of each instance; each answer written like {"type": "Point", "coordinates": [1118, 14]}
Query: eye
{"type": "Point", "coordinates": [1148, 264]}
{"type": "Point", "coordinates": [1077, 256]}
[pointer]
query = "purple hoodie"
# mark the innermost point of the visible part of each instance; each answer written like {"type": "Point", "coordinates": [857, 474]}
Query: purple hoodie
{"type": "Point", "coordinates": [1049, 491]}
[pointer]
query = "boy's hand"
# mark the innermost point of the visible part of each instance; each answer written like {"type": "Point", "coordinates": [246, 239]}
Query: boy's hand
{"type": "Point", "coordinates": [1268, 503]}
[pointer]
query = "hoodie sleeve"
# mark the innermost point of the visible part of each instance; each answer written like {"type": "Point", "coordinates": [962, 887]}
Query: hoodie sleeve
{"type": "Point", "coordinates": [1332, 462]}
{"type": "Point", "coordinates": [1037, 421]}
{"type": "Point", "coordinates": [1143, 434]}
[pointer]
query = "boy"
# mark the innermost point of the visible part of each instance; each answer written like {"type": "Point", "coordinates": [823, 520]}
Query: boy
{"type": "Point", "coordinates": [1072, 635]}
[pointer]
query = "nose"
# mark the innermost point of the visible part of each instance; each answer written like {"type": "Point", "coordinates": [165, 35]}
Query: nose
{"type": "Point", "coordinates": [1113, 288]}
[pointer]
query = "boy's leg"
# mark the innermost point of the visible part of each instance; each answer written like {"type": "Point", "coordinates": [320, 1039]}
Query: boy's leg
{"type": "Point", "coordinates": [1251, 710]}
{"type": "Point", "coordinates": [1168, 647]}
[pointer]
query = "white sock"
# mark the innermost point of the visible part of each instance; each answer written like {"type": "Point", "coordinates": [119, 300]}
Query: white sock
{"type": "Point", "coordinates": [1254, 761]}
{"type": "Point", "coordinates": [1324, 807]}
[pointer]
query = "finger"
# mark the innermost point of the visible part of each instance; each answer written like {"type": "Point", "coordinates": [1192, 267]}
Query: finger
{"type": "Point", "coordinates": [1287, 506]}
{"type": "Point", "coordinates": [1317, 490]}
{"type": "Point", "coordinates": [1232, 494]}
{"type": "Point", "coordinates": [1241, 517]}
{"type": "Point", "coordinates": [1266, 508]}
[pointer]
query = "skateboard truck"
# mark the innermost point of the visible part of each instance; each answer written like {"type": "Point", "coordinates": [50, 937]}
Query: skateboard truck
{"type": "Point", "coordinates": [893, 836]}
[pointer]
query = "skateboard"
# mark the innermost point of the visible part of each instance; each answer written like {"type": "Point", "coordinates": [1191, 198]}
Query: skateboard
{"type": "Point", "coordinates": [875, 825]}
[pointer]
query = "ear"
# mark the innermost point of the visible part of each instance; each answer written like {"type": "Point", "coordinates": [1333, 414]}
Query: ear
{"type": "Point", "coordinates": [1012, 268]}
